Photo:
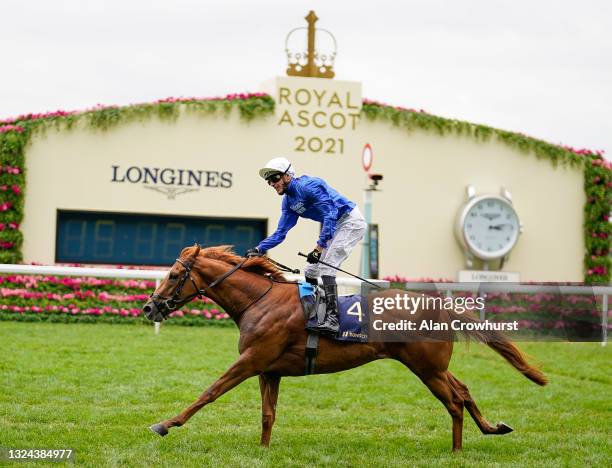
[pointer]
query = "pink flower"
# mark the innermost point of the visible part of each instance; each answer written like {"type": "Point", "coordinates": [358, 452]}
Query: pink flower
{"type": "Point", "coordinates": [11, 128]}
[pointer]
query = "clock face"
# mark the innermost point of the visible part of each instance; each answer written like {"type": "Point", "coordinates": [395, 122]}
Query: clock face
{"type": "Point", "coordinates": [490, 227]}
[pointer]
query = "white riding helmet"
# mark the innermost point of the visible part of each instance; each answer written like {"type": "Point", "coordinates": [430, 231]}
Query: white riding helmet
{"type": "Point", "coordinates": [282, 165]}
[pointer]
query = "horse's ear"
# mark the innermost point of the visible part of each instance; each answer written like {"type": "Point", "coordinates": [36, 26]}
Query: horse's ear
{"type": "Point", "coordinates": [197, 251]}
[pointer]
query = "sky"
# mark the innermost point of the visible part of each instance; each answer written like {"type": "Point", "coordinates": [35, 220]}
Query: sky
{"type": "Point", "coordinates": [539, 67]}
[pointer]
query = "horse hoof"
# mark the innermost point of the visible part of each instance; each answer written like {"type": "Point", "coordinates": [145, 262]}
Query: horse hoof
{"type": "Point", "coordinates": [159, 429]}
{"type": "Point", "coordinates": [503, 428]}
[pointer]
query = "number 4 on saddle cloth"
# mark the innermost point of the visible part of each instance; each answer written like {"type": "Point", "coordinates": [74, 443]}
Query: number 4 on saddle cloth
{"type": "Point", "coordinates": [353, 316]}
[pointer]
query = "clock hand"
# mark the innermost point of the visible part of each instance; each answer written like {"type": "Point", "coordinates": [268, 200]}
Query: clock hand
{"type": "Point", "coordinates": [499, 227]}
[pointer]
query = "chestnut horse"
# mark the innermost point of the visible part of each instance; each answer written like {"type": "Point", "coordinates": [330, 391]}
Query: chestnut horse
{"type": "Point", "coordinates": [267, 310]}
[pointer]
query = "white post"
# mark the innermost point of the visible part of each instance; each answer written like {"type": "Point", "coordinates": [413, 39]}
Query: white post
{"type": "Point", "coordinates": [604, 319]}
{"type": "Point", "coordinates": [483, 311]}
{"type": "Point", "coordinates": [157, 324]}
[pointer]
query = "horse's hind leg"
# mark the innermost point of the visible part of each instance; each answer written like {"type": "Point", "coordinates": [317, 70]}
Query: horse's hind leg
{"type": "Point", "coordinates": [268, 384]}
{"type": "Point", "coordinates": [432, 372]}
{"type": "Point", "coordinates": [470, 405]}
{"type": "Point", "coordinates": [443, 390]}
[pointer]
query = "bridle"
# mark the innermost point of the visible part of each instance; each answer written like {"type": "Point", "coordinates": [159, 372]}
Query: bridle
{"type": "Point", "coordinates": [169, 304]}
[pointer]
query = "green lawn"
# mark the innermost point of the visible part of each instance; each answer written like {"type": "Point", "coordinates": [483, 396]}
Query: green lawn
{"type": "Point", "coordinates": [96, 389]}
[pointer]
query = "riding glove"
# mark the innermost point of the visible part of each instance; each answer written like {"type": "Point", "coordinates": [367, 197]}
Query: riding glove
{"type": "Point", "coordinates": [254, 252]}
{"type": "Point", "coordinates": [314, 256]}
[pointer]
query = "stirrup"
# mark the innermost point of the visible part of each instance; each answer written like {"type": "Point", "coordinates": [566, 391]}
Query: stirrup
{"type": "Point", "coordinates": [326, 327]}
{"type": "Point", "coordinates": [323, 331]}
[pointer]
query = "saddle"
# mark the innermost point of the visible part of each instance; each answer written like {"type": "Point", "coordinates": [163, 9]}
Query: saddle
{"type": "Point", "coordinates": [352, 317]}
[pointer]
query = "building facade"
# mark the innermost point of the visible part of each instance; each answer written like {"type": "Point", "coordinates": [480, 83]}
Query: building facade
{"type": "Point", "coordinates": [137, 191]}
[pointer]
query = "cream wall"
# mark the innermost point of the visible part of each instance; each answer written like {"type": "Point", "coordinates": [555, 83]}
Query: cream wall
{"type": "Point", "coordinates": [423, 189]}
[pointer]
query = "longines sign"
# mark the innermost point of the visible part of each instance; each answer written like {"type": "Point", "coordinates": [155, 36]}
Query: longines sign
{"type": "Point", "coordinates": [170, 181]}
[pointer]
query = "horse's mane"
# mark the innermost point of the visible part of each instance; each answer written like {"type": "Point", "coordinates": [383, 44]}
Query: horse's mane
{"type": "Point", "coordinates": [225, 253]}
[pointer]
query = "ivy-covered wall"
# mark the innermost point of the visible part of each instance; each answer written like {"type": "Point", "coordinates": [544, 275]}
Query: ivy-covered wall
{"type": "Point", "coordinates": [16, 133]}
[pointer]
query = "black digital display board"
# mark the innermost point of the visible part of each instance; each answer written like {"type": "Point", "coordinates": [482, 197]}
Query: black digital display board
{"type": "Point", "coordinates": [136, 239]}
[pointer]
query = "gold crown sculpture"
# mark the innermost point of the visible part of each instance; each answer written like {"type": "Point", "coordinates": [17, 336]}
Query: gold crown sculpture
{"type": "Point", "coordinates": [312, 62]}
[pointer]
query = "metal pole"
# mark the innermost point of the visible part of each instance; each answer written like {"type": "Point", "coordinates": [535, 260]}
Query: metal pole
{"type": "Point", "coordinates": [157, 324]}
{"type": "Point", "coordinates": [365, 251]}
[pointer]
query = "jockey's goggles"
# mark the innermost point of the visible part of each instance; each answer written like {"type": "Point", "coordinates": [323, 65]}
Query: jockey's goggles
{"type": "Point", "coordinates": [274, 178]}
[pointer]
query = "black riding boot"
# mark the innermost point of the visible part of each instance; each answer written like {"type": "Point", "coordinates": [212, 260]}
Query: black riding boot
{"type": "Point", "coordinates": [330, 323]}
{"type": "Point", "coordinates": [313, 281]}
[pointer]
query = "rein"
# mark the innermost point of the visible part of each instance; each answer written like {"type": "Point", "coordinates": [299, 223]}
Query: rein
{"type": "Point", "coordinates": [282, 267]}
{"type": "Point", "coordinates": [171, 303]}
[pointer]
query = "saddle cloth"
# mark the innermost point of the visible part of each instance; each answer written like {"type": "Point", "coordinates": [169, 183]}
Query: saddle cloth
{"type": "Point", "coordinates": [353, 314]}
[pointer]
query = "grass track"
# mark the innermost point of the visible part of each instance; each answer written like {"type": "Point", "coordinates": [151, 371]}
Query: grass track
{"type": "Point", "coordinates": [96, 388]}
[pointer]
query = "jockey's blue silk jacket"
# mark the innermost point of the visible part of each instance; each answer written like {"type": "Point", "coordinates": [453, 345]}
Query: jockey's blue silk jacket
{"type": "Point", "coordinates": [309, 197]}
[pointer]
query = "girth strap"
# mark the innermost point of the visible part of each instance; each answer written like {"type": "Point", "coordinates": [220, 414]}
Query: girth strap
{"type": "Point", "coordinates": [312, 343]}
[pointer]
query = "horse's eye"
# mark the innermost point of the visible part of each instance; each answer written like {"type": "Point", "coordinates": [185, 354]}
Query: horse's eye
{"type": "Point", "coordinates": [172, 276]}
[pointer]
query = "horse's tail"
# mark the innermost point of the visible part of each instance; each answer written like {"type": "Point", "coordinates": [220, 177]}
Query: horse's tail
{"type": "Point", "coordinates": [504, 347]}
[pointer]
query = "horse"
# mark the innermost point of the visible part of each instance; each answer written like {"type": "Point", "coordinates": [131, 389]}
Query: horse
{"type": "Point", "coordinates": [267, 310]}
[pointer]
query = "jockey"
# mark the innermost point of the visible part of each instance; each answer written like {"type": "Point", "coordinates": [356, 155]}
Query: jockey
{"type": "Point", "coordinates": [342, 227]}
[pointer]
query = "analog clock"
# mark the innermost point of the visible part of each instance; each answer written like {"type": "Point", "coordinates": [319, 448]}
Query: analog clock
{"type": "Point", "coordinates": [488, 226]}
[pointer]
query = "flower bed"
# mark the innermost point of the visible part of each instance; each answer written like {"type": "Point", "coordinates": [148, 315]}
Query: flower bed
{"type": "Point", "coordinates": [31, 298]}
{"type": "Point", "coordinates": [91, 300]}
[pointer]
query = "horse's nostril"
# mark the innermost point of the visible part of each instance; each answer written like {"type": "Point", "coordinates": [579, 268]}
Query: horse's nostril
{"type": "Point", "coordinates": [147, 309]}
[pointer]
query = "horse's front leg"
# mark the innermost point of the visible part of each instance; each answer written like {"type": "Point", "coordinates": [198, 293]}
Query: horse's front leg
{"type": "Point", "coordinates": [241, 370]}
{"type": "Point", "coordinates": [268, 384]}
